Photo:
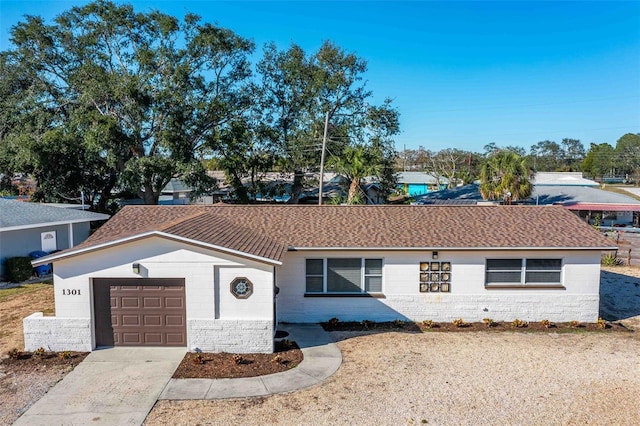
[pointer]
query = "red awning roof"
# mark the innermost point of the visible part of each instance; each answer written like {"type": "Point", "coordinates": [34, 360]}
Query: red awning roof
{"type": "Point", "coordinates": [605, 207]}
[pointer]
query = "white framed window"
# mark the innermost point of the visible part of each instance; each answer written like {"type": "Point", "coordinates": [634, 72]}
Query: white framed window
{"type": "Point", "coordinates": [523, 272]}
{"type": "Point", "coordinates": [344, 275]}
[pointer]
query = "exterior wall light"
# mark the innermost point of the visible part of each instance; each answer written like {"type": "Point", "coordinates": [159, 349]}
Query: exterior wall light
{"type": "Point", "coordinates": [434, 254]}
{"type": "Point", "coordinates": [136, 268]}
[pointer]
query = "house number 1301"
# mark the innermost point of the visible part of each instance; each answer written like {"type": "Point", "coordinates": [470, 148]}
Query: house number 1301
{"type": "Point", "coordinates": [70, 292]}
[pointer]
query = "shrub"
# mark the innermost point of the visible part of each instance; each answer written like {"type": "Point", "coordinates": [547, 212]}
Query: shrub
{"type": "Point", "coordinates": [519, 323]}
{"type": "Point", "coordinates": [602, 323]}
{"type": "Point", "coordinates": [574, 324]}
{"type": "Point", "coordinates": [333, 323]}
{"type": "Point", "coordinates": [238, 359]}
{"type": "Point", "coordinates": [546, 323]}
{"type": "Point", "coordinates": [18, 269]}
{"type": "Point", "coordinates": [460, 323]}
{"type": "Point", "coordinates": [197, 359]}
{"type": "Point", "coordinates": [39, 352]}
{"type": "Point", "coordinates": [287, 345]}
{"type": "Point", "coordinates": [610, 259]}
{"type": "Point", "coordinates": [398, 323]}
{"type": "Point", "coordinates": [489, 322]}
{"type": "Point", "coordinates": [14, 353]}
{"type": "Point", "coordinates": [278, 359]}
{"type": "Point", "coordinates": [64, 355]}
{"type": "Point", "coordinates": [428, 324]}
{"type": "Point", "coordinates": [367, 324]}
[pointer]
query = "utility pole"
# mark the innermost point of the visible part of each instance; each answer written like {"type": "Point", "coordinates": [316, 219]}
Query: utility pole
{"type": "Point", "coordinates": [324, 146]}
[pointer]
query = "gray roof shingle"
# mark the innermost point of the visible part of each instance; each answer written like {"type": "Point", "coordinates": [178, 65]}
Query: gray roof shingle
{"type": "Point", "coordinates": [19, 214]}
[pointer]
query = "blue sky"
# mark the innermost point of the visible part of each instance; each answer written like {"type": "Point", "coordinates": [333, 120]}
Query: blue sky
{"type": "Point", "coordinates": [462, 74]}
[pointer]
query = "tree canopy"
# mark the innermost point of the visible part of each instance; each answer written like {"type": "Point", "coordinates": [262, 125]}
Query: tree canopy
{"type": "Point", "coordinates": [141, 94]}
{"type": "Point", "coordinates": [123, 100]}
{"type": "Point", "coordinates": [505, 176]}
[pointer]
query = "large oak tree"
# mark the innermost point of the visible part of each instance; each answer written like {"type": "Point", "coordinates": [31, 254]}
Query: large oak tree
{"type": "Point", "coordinates": [142, 94]}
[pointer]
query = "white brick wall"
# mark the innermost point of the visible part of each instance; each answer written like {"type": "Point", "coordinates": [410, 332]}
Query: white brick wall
{"type": "Point", "coordinates": [468, 299]}
{"type": "Point", "coordinates": [57, 334]}
{"type": "Point", "coordinates": [446, 308]}
{"type": "Point", "coordinates": [207, 276]}
{"type": "Point", "coordinates": [234, 336]}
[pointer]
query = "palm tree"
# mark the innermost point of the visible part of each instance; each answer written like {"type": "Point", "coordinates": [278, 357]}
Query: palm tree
{"type": "Point", "coordinates": [505, 176]}
{"type": "Point", "coordinates": [355, 163]}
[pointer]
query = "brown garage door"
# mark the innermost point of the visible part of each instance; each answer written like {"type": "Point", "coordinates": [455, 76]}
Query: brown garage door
{"type": "Point", "coordinates": [140, 312]}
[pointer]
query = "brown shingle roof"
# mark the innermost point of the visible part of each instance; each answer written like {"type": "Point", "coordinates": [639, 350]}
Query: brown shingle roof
{"type": "Point", "coordinates": [267, 231]}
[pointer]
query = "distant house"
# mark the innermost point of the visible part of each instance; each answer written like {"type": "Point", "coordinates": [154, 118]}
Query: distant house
{"type": "Point", "coordinates": [562, 179]}
{"type": "Point", "coordinates": [568, 189]}
{"type": "Point", "coordinates": [337, 188]}
{"type": "Point", "coordinates": [27, 227]}
{"type": "Point", "coordinates": [175, 192]}
{"type": "Point", "coordinates": [418, 183]}
{"type": "Point", "coordinates": [221, 277]}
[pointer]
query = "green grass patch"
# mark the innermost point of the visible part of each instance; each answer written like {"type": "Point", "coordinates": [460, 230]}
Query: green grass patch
{"type": "Point", "coordinates": [8, 293]}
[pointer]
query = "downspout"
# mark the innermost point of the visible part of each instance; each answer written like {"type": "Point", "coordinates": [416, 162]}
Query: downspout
{"type": "Point", "coordinates": [276, 290]}
{"type": "Point", "coordinates": [70, 235]}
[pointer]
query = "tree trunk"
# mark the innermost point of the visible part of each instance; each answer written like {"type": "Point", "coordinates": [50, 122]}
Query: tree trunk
{"type": "Point", "coordinates": [353, 190]}
{"type": "Point", "coordinates": [296, 188]}
{"type": "Point", "coordinates": [148, 195]}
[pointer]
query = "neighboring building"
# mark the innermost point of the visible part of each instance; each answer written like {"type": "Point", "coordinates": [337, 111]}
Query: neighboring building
{"type": "Point", "coordinates": [27, 227]}
{"type": "Point", "coordinates": [562, 179]}
{"type": "Point", "coordinates": [568, 189]}
{"type": "Point", "coordinates": [219, 278]}
{"type": "Point", "coordinates": [337, 188]}
{"type": "Point", "coordinates": [418, 183]}
{"type": "Point", "coordinates": [175, 192]}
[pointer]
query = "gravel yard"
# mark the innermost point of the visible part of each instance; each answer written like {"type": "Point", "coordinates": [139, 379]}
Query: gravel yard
{"type": "Point", "coordinates": [451, 378]}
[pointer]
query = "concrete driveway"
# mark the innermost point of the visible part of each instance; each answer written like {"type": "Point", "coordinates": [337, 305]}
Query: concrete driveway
{"type": "Point", "coordinates": [115, 386]}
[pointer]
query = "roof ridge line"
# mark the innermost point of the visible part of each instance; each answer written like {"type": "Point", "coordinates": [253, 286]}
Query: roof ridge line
{"type": "Point", "coordinates": [200, 211]}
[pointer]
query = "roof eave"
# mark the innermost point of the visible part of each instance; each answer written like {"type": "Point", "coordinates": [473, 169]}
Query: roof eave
{"type": "Point", "coordinates": [57, 223]}
{"type": "Point", "coordinates": [73, 253]}
{"type": "Point", "coordinates": [435, 248]}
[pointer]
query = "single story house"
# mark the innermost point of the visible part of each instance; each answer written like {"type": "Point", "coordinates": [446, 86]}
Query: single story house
{"type": "Point", "coordinates": [220, 277]}
{"type": "Point", "coordinates": [26, 227]}
{"type": "Point", "coordinates": [418, 183]}
{"type": "Point", "coordinates": [563, 179]}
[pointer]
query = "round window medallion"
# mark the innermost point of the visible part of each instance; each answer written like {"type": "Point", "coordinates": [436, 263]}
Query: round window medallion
{"type": "Point", "coordinates": [241, 288]}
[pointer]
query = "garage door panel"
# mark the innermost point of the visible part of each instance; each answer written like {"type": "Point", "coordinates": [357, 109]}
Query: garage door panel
{"type": "Point", "coordinates": [129, 302]}
{"type": "Point", "coordinates": [153, 339]}
{"type": "Point", "coordinates": [131, 338]}
{"type": "Point", "coordinates": [152, 302]}
{"type": "Point", "coordinates": [173, 302]}
{"type": "Point", "coordinates": [152, 314]}
{"type": "Point", "coordinates": [176, 339]}
{"type": "Point", "coordinates": [174, 320]}
{"type": "Point", "coordinates": [130, 320]}
{"type": "Point", "coordinates": [150, 320]}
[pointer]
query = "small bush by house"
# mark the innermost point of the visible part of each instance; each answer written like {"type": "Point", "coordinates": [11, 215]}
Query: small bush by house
{"type": "Point", "coordinates": [18, 269]}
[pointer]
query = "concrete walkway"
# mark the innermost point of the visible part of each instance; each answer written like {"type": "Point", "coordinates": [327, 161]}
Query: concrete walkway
{"type": "Point", "coordinates": [322, 358]}
{"type": "Point", "coordinates": [115, 386]}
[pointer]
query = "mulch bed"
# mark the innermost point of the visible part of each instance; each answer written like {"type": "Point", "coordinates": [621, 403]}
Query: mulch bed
{"type": "Point", "coordinates": [413, 327]}
{"type": "Point", "coordinates": [27, 362]}
{"type": "Point", "coordinates": [201, 365]}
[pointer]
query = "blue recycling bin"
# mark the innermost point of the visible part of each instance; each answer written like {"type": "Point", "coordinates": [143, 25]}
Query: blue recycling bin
{"type": "Point", "coordinates": [42, 269]}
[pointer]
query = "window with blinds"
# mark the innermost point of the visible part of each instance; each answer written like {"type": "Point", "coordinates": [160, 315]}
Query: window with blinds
{"type": "Point", "coordinates": [344, 275]}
